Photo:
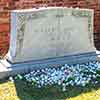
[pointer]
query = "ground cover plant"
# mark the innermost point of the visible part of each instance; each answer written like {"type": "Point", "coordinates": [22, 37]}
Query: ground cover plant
{"type": "Point", "coordinates": [68, 82]}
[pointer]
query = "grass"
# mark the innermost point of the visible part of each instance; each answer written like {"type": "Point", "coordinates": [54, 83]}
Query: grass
{"type": "Point", "coordinates": [21, 90]}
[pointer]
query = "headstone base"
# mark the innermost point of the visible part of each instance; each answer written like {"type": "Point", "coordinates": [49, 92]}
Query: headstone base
{"type": "Point", "coordinates": [7, 68]}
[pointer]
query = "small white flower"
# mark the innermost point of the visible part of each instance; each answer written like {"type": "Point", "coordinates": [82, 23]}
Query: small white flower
{"type": "Point", "coordinates": [94, 76]}
{"type": "Point", "coordinates": [66, 65]}
{"type": "Point", "coordinates": [32, 72]}
{"type": "Point", "coordinates": [64, 87]}
{"type": "Point", "coordinates": [11, 79]}
{"type": "Point", "coordinates": [96, 82]}
{"type": "Point", "coordinates": [39, 86]}
{"type": "Point", "coordinates": [78, 83]}
{"type": "Point", "coordinates": [62, 68]}
{"type": "Point", "coordinates": [72, 84]}
{"type": "Point", "coordinates": [59, 82]}
{"type": "Point", "coordinates": [67, 83]}
{"type": "Point", "coordinates": [89, 79]}
{"type": "Point", "coordinates": [90, 76]}
{"type": "Point", "coordinates": [83, 84]}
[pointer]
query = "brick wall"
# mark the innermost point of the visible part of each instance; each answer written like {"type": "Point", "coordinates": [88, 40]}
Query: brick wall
{"type": "Point", "coordinates": [7, 5]}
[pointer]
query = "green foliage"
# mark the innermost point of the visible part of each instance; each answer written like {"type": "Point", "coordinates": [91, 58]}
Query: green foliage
{"type": "Point", "coordinates": [97, 71]}
{"type": "Point", "coordinates": [21, 90]}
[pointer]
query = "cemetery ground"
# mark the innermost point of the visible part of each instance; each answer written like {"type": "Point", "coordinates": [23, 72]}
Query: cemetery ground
{"type": "Point", "coordinates": [21, 90]}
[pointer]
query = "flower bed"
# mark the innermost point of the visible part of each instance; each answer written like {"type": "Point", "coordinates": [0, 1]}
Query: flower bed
{"type": "Point", "coordinates": [65, 75]}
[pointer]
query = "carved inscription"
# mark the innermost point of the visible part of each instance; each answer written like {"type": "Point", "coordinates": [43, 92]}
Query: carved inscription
{"type": "Point", "coordinates": [52, 32]}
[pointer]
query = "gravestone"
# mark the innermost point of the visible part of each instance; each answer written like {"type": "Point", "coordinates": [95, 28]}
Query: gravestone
{"type": "Point", "coordinates": [48, 36]}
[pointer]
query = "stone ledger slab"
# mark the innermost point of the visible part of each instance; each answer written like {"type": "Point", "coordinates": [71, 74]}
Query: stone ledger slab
{"type": "Point", "coordinates": [48, 37]}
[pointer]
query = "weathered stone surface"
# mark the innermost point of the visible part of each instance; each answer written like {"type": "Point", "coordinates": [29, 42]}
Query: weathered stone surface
{"type": "Point", "coordinates": [50, 32]}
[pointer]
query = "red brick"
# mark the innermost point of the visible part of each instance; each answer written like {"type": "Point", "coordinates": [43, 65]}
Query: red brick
{"type": "Point", "coordinates": [4, 20]}
{"type": "Point", "coordinates": [4, 27]}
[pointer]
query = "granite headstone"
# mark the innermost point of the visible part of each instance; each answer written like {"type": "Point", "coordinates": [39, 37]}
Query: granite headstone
{"type": "Point", "coordinates": [50, 32]}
